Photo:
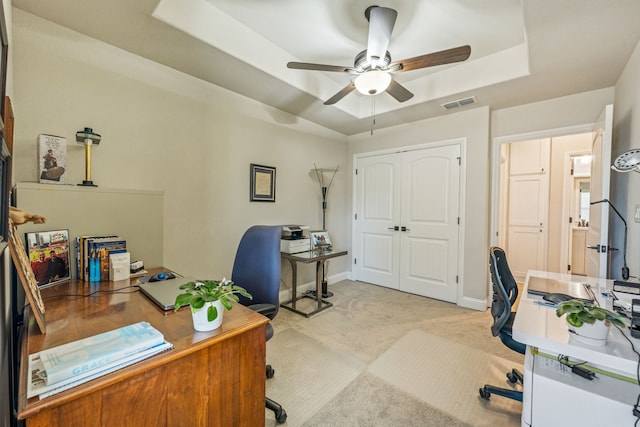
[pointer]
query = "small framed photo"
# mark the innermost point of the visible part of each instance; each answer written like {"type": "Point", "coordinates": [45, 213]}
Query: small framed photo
{"type": "Point", "coordinates": [320, 240]}
{"type": "Point", "coordinates": [263, 183]}
{"type": "Point", "coordinates": [48, 253]}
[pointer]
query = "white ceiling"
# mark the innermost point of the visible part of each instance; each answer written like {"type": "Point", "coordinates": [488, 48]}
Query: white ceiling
{"type": "Point", "coordinates": [521, 51]}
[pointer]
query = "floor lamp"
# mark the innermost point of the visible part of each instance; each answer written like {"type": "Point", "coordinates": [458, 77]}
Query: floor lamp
{"type": "Point", "coordinates": [324, 189]}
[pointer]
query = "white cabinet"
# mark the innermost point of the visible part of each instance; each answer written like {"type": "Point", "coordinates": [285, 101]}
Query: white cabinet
{"type": "Point", "coordinates": [527, 210]}
{"type": "Point", "coordinates": [578, 250]}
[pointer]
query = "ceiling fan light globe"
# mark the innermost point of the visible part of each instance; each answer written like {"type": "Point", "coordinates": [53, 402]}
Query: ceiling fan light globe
{"type": "Point", "coordinates": [372, 82]}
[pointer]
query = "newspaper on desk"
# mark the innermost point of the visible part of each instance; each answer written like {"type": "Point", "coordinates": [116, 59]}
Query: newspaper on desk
{"type": "Point", "coordinates": [37, 385]}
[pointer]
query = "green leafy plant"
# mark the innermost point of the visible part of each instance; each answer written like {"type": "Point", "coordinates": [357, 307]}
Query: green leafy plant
{"type": "Point", "coordinates": [581, 312]}
{"type": "Point", "coordinates": [202, 291]}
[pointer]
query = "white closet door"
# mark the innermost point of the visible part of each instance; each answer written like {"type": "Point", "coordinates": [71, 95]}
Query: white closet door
{"type": "Point", "coordinates": [377, 207]}
{"type": "Point", "coordinates": [418, 192]}
{"type": "Point", "coordinates": [429, 226]}
{"type": "Point", "coordinates": [528, 206]}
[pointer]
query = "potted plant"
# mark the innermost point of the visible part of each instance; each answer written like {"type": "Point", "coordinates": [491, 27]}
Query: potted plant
{"type": "Point", "coordinates": [589, 322]}
{"type": "Point", "coordinates": [207, 299]}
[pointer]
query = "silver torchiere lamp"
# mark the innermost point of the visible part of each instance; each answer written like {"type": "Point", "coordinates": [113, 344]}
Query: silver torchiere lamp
{"type": "Point", "coordinates": [324, 189]}
{"type": "Point", "coordinates": [88, 138]}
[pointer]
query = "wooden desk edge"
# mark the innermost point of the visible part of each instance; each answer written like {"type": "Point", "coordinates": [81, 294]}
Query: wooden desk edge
{"type": "Point", "coordinates": [27, 409]}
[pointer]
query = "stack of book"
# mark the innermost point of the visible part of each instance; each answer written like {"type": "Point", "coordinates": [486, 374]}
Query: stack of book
{"type": "Point", "coordinates": [59, 368]}
{"type": "Point", "coordinates": [92, 261]}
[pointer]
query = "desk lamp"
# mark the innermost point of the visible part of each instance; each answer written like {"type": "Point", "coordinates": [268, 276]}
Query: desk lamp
{"type": "Point", "coordinates": [324, 189]}
{"type": "Point", "coordinates": [627, 161]}
{"type": "Point", "coordinates": [625, 269]}
{"type": "Point", "coordinates": [88, 138]}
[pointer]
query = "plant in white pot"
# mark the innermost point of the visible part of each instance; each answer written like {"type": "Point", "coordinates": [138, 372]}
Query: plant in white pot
{"type": "Point", "coordinates": [207, 299]}
{"type": "Point", "coordinates": [589, 322]}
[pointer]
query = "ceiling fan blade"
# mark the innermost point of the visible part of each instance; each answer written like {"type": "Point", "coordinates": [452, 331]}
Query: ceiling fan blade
{"type": "Point", "coordinates": [399, 92]}
{"type": "Point", "coordinates": [319, 67]}
{"type": "Point", "coordinates": [343, 92]}
{"type": "Point", "coordinates": [381, 22]}
{"type": "Point", "coordinates": [456, 54]}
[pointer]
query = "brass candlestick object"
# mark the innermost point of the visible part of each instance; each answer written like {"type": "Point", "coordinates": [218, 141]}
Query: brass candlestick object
{"type": "Point", "coordinates": [88, 138]}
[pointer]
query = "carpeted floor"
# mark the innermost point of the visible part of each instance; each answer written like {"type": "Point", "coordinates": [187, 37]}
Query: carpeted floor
{"type": "Point", "coordinates": [380, 357]}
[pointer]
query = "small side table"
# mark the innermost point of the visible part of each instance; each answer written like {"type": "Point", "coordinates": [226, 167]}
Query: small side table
{"type": "Point", "coordinates": [307, 258]}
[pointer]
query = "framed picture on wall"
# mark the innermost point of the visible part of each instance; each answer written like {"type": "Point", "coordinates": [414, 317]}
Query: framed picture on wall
{"type": "Point", "coordinates": [262, 183]}
{"type": "Point", "coordinates": [48, 253]}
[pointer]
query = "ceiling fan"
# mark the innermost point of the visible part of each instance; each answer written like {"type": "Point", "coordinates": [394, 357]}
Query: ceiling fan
{"type": "Point", "coordinates": [372, 67]}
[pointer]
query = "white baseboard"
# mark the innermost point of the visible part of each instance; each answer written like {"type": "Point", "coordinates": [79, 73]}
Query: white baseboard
{"type": "Point", "coordinates": [473, 303]}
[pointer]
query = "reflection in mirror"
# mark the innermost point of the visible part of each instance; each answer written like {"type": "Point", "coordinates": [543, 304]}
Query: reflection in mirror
{"type": "Point", "coordinates": [584, 199]}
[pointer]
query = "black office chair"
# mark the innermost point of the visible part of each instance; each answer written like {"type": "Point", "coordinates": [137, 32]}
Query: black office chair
{"type": "Point", "coordinates": [257, 269]}
{"type": "Point", "coordinates": [505, 292]}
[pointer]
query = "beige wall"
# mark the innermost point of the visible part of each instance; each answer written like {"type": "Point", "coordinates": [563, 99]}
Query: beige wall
{"type": "Point", "coordinates": [625, 192]}
{"type": "Point", "coordinates": [557, 113]}
{"type": "Point", "coordinates": [164, 130]}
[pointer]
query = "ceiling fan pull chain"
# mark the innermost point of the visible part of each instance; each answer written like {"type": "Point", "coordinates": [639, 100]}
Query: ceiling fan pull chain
{"type": "Point", "coordinates": [373, 113]}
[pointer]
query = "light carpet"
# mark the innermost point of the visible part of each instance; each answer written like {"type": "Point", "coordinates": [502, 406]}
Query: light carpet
{"type": "Point", "coordinates": [447, 375]}
{"type": "Point", "coordinates": [326, 372]}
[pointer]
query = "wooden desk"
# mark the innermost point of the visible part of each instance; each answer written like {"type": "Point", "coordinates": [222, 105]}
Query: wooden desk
{"type": "Point", "coordinates": [308, 258]}
{"type": "Point", "coordinates": [208, 379]}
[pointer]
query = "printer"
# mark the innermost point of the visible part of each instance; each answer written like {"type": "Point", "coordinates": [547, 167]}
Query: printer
{"type": "Point", "coordinates": [293, 240]}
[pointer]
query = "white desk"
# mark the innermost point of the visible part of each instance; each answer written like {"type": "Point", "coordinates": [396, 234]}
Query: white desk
{"type": "Point", "coordinates": [553, 395]}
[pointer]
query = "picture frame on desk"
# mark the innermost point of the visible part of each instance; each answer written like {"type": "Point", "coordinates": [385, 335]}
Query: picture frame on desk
{"type": "Point", "coordinates": [48, 253]}
{"type": "Point", "coordinates": [262, 181]}
{"type": "Point", "coordinates": [320, 240]}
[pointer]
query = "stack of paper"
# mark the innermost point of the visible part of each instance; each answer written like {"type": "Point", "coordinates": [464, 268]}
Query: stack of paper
{"type": "Point", "coordinates": [60, 368]}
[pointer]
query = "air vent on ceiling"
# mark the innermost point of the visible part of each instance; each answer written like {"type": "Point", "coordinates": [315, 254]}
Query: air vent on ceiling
{"type": "Point", "coordinates": [459, 103]}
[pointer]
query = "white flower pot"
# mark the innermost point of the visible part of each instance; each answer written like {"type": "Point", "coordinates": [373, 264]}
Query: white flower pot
{"type": "Point", "coordinates": [595, 334]}
{"type": "Point", "coordinates": [200, 322]}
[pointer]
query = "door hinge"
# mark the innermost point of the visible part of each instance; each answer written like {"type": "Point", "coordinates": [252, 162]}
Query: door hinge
{"type": "Point", "coordinates": [459, 160]}
{"type": "Point", "coordinates": [456, 278]}
{"type": "Point", "coordinates": [569, 267]}
{"type": "Point", "coordinates": [458, 220]}
{"type": "Point", "coordinates": [570, 220]}
{"type": "Point", "coordinates": [356, 216]}
{"type": "Point", "coordinates": [355, 261]}
{"type": "Point", "coordinates": [356, 171]}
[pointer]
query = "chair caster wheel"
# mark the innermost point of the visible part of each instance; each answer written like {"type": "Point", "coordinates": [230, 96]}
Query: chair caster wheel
{"type": "Point", "coordinates": [514, 376]}
{"type": "Point", "coordinates": [484, 394]}
{"type": "Point", "coordinates": [281, 416]}
{"type": "Point", "coordinates": [270, 372]}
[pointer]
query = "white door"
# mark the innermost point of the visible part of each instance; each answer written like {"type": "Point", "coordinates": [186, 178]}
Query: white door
{"type": "Point", "coordinates": [528, 203]}
{"type": "Point", "coordinates": [598, 234]}
{"type": "Point", "coordinates": [377, 245]}
{"type": "Point", "coordinates": [429, 227]}
{"type": "Point", "coordinates": [406, 227]}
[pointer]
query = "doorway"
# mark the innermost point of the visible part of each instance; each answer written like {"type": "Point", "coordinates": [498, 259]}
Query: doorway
{"type": "Point", "coordinates": [551, 237]}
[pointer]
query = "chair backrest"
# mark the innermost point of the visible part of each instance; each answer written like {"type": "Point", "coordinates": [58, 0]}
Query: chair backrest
{"type": "Point", "coordinates": [505, 289]}
{"type": "Point", "coordinates": [257, 265]}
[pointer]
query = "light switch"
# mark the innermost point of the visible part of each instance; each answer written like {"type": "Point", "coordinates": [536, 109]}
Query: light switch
{"type": "Point", "coordinates": [636, 216]}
